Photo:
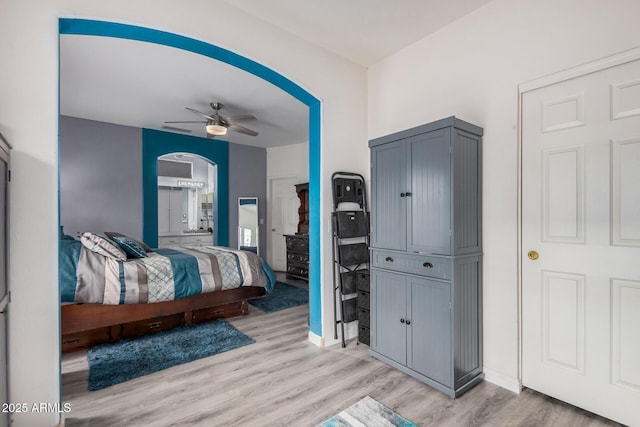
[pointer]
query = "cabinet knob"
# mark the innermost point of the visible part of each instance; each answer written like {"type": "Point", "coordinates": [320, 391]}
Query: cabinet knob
{"type": "Point", "coordinates": [408, 322]}
{"type": "Point", "coordinates": [388, 259]}
{"type": "Point", "coordinates": [402, 194]}
{"type": "Point", "coordinates": [401, 320]}
{"type": "Point", "coordinates": [408, 194]}
{"type": "Point", "coordinates": [427, 265]}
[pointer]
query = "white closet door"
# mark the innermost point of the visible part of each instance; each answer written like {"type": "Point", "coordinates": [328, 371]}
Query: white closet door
{"type": "Point", "coordinates": [581, 215]}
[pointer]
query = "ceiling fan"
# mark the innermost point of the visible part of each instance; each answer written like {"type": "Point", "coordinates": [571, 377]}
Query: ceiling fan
{"type": "Point", "coordinates": [217, 125]}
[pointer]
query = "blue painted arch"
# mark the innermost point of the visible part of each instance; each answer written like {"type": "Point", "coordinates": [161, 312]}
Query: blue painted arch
{"type": "Point", "coordinates": [111, 29]}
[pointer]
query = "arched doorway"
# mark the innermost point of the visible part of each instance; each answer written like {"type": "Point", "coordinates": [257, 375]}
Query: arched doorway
{"type": "Point", "coordinates": [110, 29]}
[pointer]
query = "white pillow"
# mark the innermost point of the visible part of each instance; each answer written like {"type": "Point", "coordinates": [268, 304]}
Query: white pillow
{"type": "Point", "coordinates": [103, 245]}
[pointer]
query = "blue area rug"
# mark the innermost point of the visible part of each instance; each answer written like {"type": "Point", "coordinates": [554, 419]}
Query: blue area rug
{"type": "Point", "coordinates": [367, 412]}
{"type": "Point", "coordinates": [282, 296]}
{"type": "Point", "coordinates": [124, 360]}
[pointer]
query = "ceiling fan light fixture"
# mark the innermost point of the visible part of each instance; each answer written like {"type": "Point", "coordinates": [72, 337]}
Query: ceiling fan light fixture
{"type": "Point", "coordinates": [214, 129]}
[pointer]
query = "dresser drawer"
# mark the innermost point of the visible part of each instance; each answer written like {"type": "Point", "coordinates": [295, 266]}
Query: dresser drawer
{"type": "Point", "coordinates": [298, 258]}
{"type": "Point", "coordinates": [297, 244]}
{"type": "Point", "coordinates": [297, 270]}
{"type": "Point", "coordinates": [423, 265]}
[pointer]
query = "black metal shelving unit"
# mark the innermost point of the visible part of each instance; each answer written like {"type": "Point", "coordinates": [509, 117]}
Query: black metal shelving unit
{"type": "Point", "coordinates": [350, 230]}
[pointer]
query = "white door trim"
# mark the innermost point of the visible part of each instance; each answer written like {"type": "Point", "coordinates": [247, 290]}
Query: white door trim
{"type": "Point", "coordinates": [578, 71]}
{"type": "Point", "coordinates": [270, 218]}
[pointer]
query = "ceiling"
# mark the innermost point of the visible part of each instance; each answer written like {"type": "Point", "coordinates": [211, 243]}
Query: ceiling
{"type": "Point", "coordinates": [143, 85]}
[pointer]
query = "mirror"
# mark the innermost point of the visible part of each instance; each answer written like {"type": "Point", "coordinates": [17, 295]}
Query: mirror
{"type": "Point", "coordinates": [248, 224]}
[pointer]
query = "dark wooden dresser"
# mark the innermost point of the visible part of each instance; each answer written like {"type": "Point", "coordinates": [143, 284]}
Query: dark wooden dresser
{"type": "Point", "coordinates": [298, 244]}
{"type": "Point", "coordinates": [297, 256]}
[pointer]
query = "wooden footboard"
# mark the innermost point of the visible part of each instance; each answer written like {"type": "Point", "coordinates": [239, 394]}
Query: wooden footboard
{"type": "Point", "coordinates": [84, 325]}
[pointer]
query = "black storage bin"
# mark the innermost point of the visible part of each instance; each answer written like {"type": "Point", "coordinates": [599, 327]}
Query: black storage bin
{"type": "Point", "coordinates": [353, 254]}
{"type": "Point", "coordinates": [348, 190]}
{"type": "Point", "coordinates": [363, 280]}
{"type": "Point", "coordinates": [364, 335]}
{"type": "Point", "coordinates": [363, 317]}
{"type": "Point", "coordinates": [350, 310]}
{"type": "Point", "coordinates": [349, 282]}
{"type": "Point", "coordinates": [351, 224]}
{"type": "Point", "coordinates": [363, 299]}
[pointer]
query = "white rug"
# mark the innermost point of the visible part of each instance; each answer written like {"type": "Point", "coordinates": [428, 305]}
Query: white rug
{"type": "Point", "coordinates": [367, 413]}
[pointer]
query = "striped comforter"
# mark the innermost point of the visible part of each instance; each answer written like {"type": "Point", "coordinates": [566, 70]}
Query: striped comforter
{"type": "Point", "coordinates": [164, 275]}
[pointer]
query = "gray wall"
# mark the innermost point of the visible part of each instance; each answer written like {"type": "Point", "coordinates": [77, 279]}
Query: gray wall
{"type": "Point", "coordinates": [100, 179]}
{"type": "Point", "coordinates": [248, 178]}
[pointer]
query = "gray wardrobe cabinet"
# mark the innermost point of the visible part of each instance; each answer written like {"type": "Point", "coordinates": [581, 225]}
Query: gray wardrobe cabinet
{"type": "Point", "coordinates": [426, 252]}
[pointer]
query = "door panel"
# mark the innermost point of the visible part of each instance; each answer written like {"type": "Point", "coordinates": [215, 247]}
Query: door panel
{"type": "Point", "coordinates": [4, 417]}
{"type": "Point", "coordinates": [625, 191]}
{"type": "Point", "coordinates": [430, 330]}
{"type": "Point", "coordinates": [389, 314]}
{"type": "Point", "coordinates": [4, 291]}
{"type": "Point", "coordinates": [429, 214]}
{"type": "Point", "coordinates": [581, 217]}
{"type": "Point", "coordinates": [389, 181]}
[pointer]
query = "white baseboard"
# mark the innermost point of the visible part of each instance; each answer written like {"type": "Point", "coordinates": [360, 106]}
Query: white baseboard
{"type": "Point", "coordinates": [504, 381]}
{"type": "Point", "coordinates": [350, 332]}
{"type": "Point", "coordinates": [316, 339]}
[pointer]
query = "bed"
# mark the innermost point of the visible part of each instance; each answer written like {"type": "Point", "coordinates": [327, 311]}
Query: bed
{"type": "Point", "coordinates": [114, 287]}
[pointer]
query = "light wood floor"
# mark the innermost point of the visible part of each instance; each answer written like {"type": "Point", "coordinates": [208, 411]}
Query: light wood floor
{"type": "Point", "coordinates": [284, 380]}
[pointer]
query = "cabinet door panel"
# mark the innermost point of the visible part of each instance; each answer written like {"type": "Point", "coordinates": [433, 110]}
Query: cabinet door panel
{"type": "Point", "coordinates": [389, 210]}
{"type": "Point", "coordinates": [389, 291]}
{"type": "Point", "coordinates": [430, 330]}
{"type": "Point", "coordinates": [429, 207]}
{"type": "Point", "coordinates": [164, 218]}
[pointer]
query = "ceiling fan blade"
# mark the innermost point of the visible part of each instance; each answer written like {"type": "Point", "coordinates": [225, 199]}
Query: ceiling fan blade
{"type": "Point", "coordinates": [242, 129]}
{"type": "Point", "coordinates": [177, 129]}
{"type": "Point", "coordinates": [200, 113]}
{"type": "Point", "coordinates": [242, 118]}
{"type": "Point", "coordinates": [186, 121]}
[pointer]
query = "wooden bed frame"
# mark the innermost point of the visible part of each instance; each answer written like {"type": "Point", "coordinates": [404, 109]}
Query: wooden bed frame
{"type": "Point", "coordinates": [84, 325]}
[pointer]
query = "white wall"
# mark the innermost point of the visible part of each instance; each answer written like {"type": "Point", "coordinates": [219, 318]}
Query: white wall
{"type": "Point", "coordinates": [472, 69]}
{"type": "Point", "coordinates": [29, 120]}
{"type": "Point", "coordinates": [289, 161]}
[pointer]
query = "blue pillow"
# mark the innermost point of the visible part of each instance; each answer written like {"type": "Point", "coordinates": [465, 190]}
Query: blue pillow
{"type": "Point", "coordinates": [130, 246]}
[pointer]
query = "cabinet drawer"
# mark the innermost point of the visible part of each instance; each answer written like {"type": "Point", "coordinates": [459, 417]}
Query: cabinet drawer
{"type": "Point", "coordinates": [423, 265]}
{"type": "Point", "coordinates": [196, 240]}
{"type": "Point", "coordinates": [168, 241]}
